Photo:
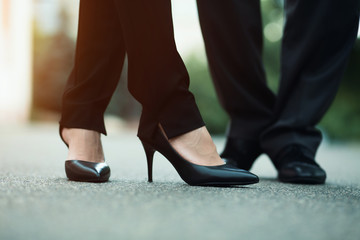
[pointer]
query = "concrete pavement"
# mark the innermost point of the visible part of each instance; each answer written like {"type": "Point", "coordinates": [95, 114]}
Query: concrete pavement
{"type": "Point", "coordinates": [38, 202]}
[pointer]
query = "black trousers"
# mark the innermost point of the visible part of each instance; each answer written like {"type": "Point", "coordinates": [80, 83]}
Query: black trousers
{"type": "Point", "coordinates": [157, 76]}
{"type": "Point", "coordinates": [317, 40]}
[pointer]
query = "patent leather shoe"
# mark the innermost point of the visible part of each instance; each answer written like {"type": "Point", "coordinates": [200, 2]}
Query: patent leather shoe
{"type": "Point", "coordinates": [193, 174]}
{"type": "Point", "coordinates": [296, 165]}
{"type": "Point", "coordinates": [85, 171]}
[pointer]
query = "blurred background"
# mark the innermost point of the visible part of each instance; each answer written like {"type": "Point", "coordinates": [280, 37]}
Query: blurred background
{"type": "Point", "coordinates": [37, 42]}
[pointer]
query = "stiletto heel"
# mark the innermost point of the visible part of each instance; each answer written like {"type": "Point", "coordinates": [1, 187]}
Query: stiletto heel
{"type": "Point", "coordinates": [85, 171]}
{"type": "Point", "coordinates": [193, 174]}
{"type": "Point", "coordinates": [149, 151]}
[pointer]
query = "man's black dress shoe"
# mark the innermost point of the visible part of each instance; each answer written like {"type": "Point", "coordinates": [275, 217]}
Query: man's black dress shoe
{"type": "Point", "coordinates": [296, 165]}
{"type": "Point", "coordinates": [241, 153]}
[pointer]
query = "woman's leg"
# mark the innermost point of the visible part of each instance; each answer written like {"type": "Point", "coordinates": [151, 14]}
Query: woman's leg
{"type": "Point", "coordinates": [159, 80]}
{"type": "Point", "coordinates": [98, 63]}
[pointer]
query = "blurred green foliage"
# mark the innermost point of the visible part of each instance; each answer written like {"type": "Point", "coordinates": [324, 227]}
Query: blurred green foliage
{"type": "Point", "coordinates": [206, 99]}
{"type": "Point", "coordinates": [342, 121]}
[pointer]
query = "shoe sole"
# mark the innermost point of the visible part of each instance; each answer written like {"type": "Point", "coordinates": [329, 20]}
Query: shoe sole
{"type": "Point", "coordinates": [219, 184]}
{"type": "Point", "coordinates": [302, 180]}
{"type": "Point", "coordinates": [89, 180]}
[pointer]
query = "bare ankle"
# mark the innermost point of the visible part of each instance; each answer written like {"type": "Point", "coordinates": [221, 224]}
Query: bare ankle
{"type": "Point", "coordinates": [83, 144]}
{"type": "Point", "coordinates": [197, 147]}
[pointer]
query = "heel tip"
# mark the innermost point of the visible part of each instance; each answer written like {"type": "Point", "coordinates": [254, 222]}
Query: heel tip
{"type": "Point", "coordinates": [150, 180]}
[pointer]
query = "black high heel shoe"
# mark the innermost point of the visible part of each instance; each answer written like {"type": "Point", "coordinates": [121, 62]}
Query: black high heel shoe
{"type": "Point", "coordinates": [84, 171]}
{"type": "Point", "coordinates": [194, 174]}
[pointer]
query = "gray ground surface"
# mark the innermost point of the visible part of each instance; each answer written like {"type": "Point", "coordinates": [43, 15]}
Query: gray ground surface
{"type": "Point", "coordinates": [38, 202]}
